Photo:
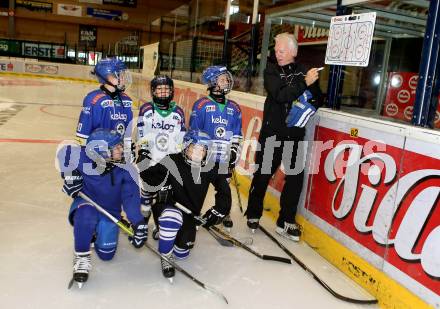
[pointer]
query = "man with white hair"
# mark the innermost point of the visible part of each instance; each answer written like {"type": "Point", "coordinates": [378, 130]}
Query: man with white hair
{"type": "Point", "coordinates": [293, 95]}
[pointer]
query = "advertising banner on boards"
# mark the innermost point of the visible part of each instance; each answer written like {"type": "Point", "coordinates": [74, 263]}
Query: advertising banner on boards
{"type": "Point", "coordinates": [400, 97]}
{"type": "Point", "coordinates": [376, 194]}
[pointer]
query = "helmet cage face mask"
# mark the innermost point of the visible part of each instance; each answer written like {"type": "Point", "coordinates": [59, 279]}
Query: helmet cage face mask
{"type": "Point", "coordinates": [100, 152]}
{"type": "Point", "coordinates": [124, 80]}
{"type": "Point", "coordinates": [162, 90]}
{"type": "Point", "coordinates": [221, 84]}
{"type": "Point", "coordinates": [198, 139]}
{"type": "Point", "coordinates": [105, 147]}
{"type": "Point", "coordinates": [192, 155]}
{"type": "Point", "coordinates": [113, 72]}
{"type": "Point", "coordinates": [218, 79]}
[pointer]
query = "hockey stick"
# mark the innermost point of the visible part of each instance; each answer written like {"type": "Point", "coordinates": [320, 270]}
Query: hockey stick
{"type": "Point", "coordinates": [238, 191]}
{"type": "Point", "coordinates": [222, 241]}
{"type": "Point", "coordinates": [129, 231]}
{"type": "Point", "coordinates": [320, 281]}
{"type": "Point", "coordinates": [229, 243]}
{"type": "Point", "coordinates": [233, 240]}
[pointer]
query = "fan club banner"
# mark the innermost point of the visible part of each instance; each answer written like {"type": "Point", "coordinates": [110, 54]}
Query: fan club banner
{"type": "Point", "coordinates": [379, 196]}
{"type": "Point", "coordinates": [151, 58]}
{"type": "Point", "coordinates": [401, 95]}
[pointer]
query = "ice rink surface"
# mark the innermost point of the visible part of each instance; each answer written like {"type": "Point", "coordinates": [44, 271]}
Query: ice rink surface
{"type": "Point", "coordinates": [36, 247]}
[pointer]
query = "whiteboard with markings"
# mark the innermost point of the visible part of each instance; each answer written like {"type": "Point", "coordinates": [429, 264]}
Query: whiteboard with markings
{"type": "Point", "coordinates": [350, 39]}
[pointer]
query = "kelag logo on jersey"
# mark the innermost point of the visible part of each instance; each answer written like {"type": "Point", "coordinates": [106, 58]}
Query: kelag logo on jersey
{"type": "Point", "coordinates": [162, 125]}
{"type": "Point", "coordinates": [118, 116]}
{"type": "Point", "coordinates": [219, 120]}
{"type": "Point", "coordinates": [230, 111]}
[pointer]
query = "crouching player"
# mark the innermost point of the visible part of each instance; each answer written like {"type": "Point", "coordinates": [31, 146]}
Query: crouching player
{"type": "Point", "coordinates": [112, 187]}
{"type": "Point", "coordinates": [187, 179]}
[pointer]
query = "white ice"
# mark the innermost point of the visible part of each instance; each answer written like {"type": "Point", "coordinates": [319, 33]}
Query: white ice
{"type": "Point", "coordinates": [36, 241]}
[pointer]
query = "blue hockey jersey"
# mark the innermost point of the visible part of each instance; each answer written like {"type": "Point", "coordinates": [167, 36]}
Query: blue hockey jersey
{"type": "Point", "coordinates": [101, 111]}
{"type": "Point", "coordinates": [221, 121]}
{"type": "Point", "coordinates": [113, 190]}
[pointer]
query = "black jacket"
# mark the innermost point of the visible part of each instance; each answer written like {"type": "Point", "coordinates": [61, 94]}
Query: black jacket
{"type": "Point", "coordinates": [284, 85]}
{"type": "Point", "coordinates": [189, 185]}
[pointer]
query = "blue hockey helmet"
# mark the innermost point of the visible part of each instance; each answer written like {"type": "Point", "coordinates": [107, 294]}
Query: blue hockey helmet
{"type": "Point", "coordinates": [113, 67]}
{"type": "Point", "coordinates": [162, 97]}
{"type": "Point", "coordinates": [196, 137]}
{"type": "Point", "coordinates": [218, 79]}
{"type": "Point", "coordinates": [100, 146]}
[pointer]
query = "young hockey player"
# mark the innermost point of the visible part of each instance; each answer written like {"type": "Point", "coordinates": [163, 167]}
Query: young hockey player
{"type": "Point", "coordinates": [188, 178]}
{"type": "Point", "coordinates": [108, 107]}
{"type": "Point", "coordinates": [221, 119]}
{"type": "Point", "coordinates": [161, 126]}
{"type": "Point", "coordinates": [108, 185]}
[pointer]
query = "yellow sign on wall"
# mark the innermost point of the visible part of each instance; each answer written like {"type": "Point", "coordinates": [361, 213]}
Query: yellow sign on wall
{"type": "Point", "coordinates": [354, 132]}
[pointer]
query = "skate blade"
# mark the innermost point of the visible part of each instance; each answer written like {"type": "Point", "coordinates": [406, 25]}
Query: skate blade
{"type": "Point", "coordinates": [69, 286]}
{"type": "Point", "coordinates": [197, 227]}
{"type": "Point", "coordinates": [253, 231]}
{"type": "Point", "coordinates": [171, 280]}
{"type": "Point", "coordinates": [227, 230]}
{"type": "Point", "coordinates": [80, 285]}
{"type": "Point", "coordinates": [248, 241]}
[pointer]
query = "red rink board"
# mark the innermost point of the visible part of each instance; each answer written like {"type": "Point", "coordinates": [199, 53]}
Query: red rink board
{"type": "Point", "coordinates": [416, 173]}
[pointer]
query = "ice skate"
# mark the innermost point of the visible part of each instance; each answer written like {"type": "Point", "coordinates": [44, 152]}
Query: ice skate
{"type": "Point", "coordinates": [253, 224]}
{"type": "Point", "coordinates": [155, 233]}
{"type": "Point", "coordinates": [290, 231]}
{"type": "Point", "coordinates": [227, 223]}
{"type": "Point", "coordinates": [168, 270]}
{"type": "Point", "coordinates": [81, 267]}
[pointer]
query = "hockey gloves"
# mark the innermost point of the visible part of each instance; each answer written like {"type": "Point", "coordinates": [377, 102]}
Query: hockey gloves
{"type": "Point", "coordinates": [140, 234]}
{"type": "Point", "coordinates": [144, 155]}
{"type": "Point", "coordinates": [301, 111]}
{"type": "Point", "coordinates": [147, 200]}
{"type": "Point", "coordinates": [73, 183]}
{"type": "Point", "coordinates": [212, 217]}
{"type": "Point", "coordinates": [233, 156]}
{"type": "Point", "coordinates": [233, 159]}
